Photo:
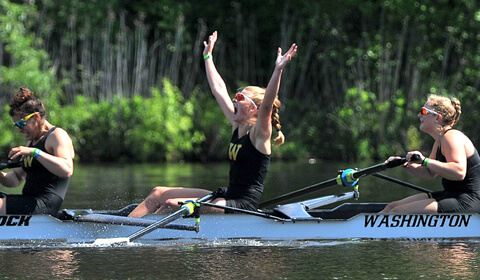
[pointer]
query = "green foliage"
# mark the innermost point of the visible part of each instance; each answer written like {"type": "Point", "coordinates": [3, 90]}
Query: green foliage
{"type": "Point", "coordinates": [354, 132]}
{"type": "Point", "coordinates": [209, 118]}
{"type": "Point", "coordinates": [414, 138]}
{"type": "Point", "coordinates": [159, 128]}
{"type": "Point", "coordinates": [8, 138]}
{"type": "Point", "coordinates": [360, 119]}
{"type": "Point", "coordinates": [362, 71]}
{"type": "Point", "coordinates": [30, 64]}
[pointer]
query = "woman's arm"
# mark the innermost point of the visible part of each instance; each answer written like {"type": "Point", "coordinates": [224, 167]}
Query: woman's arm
{"type": "Point", "coordinates": [454, 145]}
{"type": "Point", "coordinates": [263, 126]}
{"type": "Point", "coordinates": [217, 85]}
{"type": "Point", "coordinates": [13, 178]}
{"type": "Point", "coordinates": [415, 167]}
{"type": "Point", "coordinates": [60, 160]}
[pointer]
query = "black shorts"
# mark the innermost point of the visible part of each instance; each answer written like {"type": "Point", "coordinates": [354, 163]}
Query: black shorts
{"type": "Point", "coordinates": [454, 202]}
{"type": "Point", "coordinates": [248, 201]}
{"type": "Point", "coordinates": [240, 203]}
{"type": "Point", "coordinates": [49, 203]}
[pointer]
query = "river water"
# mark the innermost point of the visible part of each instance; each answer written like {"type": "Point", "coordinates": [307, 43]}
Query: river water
{"type": "Point", "coordinates": [113, 186]}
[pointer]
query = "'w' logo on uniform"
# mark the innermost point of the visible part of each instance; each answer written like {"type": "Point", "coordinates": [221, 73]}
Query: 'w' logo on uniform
{"type": "Point", "coordinates": [27, 161]}
{"type": "Point", "coordinates": [233, 151]}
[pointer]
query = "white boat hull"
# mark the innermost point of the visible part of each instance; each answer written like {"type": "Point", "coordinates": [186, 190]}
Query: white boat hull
{"type": "Point", "coordinates": [235, 226]}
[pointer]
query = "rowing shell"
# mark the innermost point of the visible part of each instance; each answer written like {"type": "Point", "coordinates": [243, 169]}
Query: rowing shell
{"type": "Point", "coordinates": [350, 220]}
{"type": "Point", "coordinates": [294, 221]}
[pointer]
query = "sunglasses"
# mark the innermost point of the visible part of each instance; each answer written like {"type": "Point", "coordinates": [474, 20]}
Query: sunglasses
{"type": "Point", "coordinates": [240, 97]}
{"type": "Point", "coordinates": [425, 111]}
{"type": "Point", "coordinates": [23, 121]}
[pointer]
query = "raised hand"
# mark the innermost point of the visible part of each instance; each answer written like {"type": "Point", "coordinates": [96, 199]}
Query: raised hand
{"type": "Point", "coordinates": [282, 60]}
{"type": "Point", "coordinates": [212, 39]}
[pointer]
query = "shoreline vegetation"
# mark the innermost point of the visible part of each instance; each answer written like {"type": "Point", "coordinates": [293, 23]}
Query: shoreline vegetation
{"type": "Point", "coordinates": [125, 80]}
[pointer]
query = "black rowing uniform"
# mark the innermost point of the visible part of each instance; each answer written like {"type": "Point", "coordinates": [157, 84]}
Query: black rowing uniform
{"type": "Point", "coordinates": [43, 192]}
{"type": "Point", "coordinates": [248, 171]}
{"type": "Point", "coordinates": [460, 196]}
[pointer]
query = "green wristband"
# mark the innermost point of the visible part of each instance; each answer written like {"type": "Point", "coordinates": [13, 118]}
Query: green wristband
{"type": "Point", "coordinates": [425, 162]}
{"type": "Point", "coordinates": [207, 57]}
{"type": "Point", "coordinates": [35, 153]}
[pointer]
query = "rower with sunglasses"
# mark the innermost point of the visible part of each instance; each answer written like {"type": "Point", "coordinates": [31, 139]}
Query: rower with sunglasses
{"type": "Point", "coordinates": [453, 157]}
{"type": "Point", "coordinates": [47, 160]}
{"type": "Point", "coordinates": [253, 114]}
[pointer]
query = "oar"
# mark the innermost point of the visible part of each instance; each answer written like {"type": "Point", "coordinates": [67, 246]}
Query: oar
{"type": "Point", "coordinates": [385, 177]}
{"type": "Point", "coordinates": [351, 176]}
{"type": "Point", "coordinates": [11, 164]}
{"type": "Point", "coordinates": [186, 209]}
{"type": "Point", "coordinates": [254, 213]}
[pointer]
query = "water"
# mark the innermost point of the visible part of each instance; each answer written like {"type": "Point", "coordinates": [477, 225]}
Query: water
{"type": "Point", "coordinates": [111, 187]}
{"type": "Point", "coordinates": [351, 259]}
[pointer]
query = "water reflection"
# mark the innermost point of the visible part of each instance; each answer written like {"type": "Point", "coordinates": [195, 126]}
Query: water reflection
{"type": "Point", "coordinates": [251, 259]}
{"type": "Point", "coordinates": [43, 263]}
{"type": "Point", "coordinates": [236, 262]}
{"type": "Point", "coordinates": [457, 260]}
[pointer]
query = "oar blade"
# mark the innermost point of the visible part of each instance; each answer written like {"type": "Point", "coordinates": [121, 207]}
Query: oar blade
{"type": "Point", "coordinates": [102, 242]}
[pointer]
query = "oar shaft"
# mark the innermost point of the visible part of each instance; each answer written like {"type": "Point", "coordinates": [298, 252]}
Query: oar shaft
{"type": "Point", "coordinates": [402, 183]}
{"type": "Point", "coordinates": [168, 219]}
{"type": "Point", "coordinates": [307, 190]}
{"type": "Point", "coordinates": [259, 214]}
{"type": "Point", "coordinates": [333, 182]}
{"type": "Point", "coordinates": [379, 167]}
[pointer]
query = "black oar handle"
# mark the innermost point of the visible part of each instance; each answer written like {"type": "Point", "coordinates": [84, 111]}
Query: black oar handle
{"type": "Point", "coordinates": [396, 162]}
{"type": "Point", "coordinates": [11, 164]}
{"type": "Point", "coordinates": [380, 167]}
{"type": "Point", "coordinates": [377, 168]}
{"type": "Point", "coordinates": [400, 161]}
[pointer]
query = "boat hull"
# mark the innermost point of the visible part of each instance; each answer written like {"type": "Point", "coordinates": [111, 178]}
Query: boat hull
{"type": "Point", "coordinates": [235, 226]}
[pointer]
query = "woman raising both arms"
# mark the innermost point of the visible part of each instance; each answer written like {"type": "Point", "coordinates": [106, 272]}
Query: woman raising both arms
{"type": "Point", "coordinates": [253, 114]}
{"type": "Point", "coordinates": [453, 157]}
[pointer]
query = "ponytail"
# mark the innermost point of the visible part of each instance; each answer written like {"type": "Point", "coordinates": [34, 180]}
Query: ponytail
{"type": "Point", "coordinates": [280, 139]}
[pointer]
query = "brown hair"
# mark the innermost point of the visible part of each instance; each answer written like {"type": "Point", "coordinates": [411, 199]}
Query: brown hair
{"type": "Point", "coordinates": [24, 103]}
{"type": "Point", "coordinates": [449, 108]}
{"type": "Point", "coordinates": [258, 95]}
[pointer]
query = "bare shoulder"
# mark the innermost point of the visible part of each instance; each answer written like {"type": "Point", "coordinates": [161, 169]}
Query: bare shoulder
{"type": "Point", "coordinates": [454, 134]}
{"type": "Point", "coordinates": [261, 139]}
{"type": "Point", "coordinates": [59, 142]}
{"type": "Point", "coordinates": [456, 137]}
{"type": "Point", "coordinates": [60, 134]}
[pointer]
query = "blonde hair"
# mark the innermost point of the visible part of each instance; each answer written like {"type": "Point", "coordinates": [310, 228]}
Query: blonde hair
{"type": "Point", "coordinates": [258, 93]}
{"type": "Point", "coordinates": [449, 108]}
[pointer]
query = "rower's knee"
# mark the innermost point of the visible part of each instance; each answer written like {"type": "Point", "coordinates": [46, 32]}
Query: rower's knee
{"type": "Point", "coordinates": [157, 192]}
{"type": "Point", "coordinates": [171, 203]}
{"type": "Point", "coordinates": [388, 208]}
{"type": "Point", "coordinates": [168, 206]}
{"type": "Point", "coordinates": [3, 206]}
